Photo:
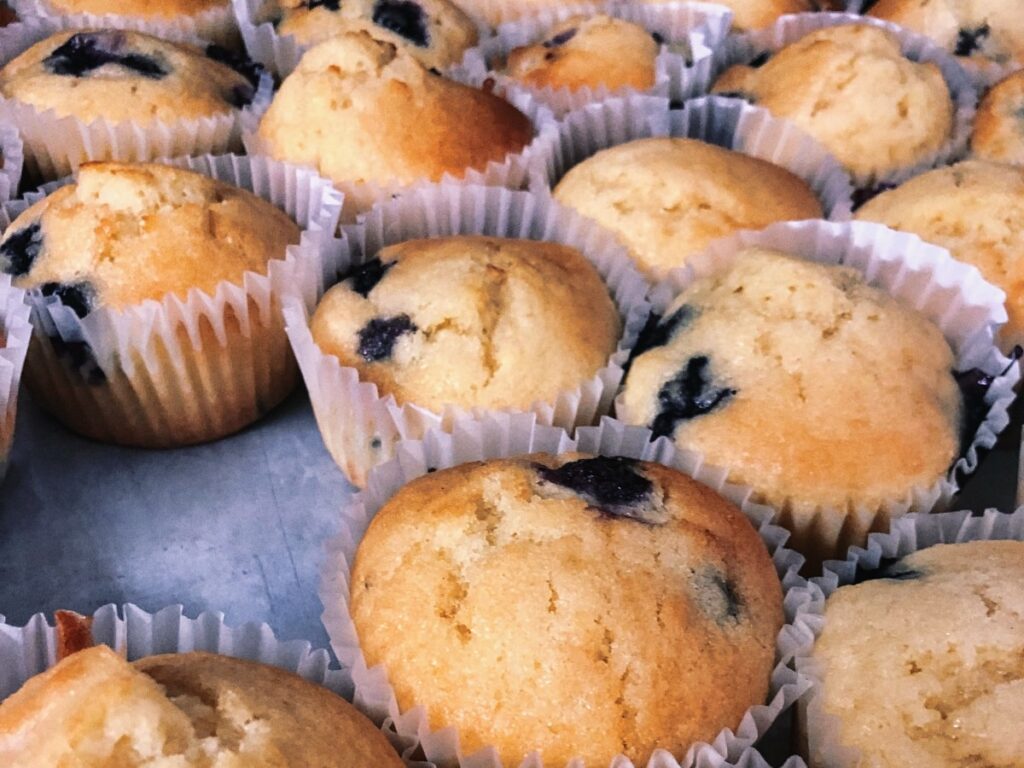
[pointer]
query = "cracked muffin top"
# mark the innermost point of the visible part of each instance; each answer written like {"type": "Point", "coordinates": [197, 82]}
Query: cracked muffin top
{"type": "Point", "coordinates": [189, 710]}
{"type": "Point", "coordinates": [574, 605]}
{"type": "Point", "coordinates": [123, 233]}
{"type": "Point", "coordinates": [436, 32]}
{"type": "Point", "coordinates": [851, 88]}
{"type": "Point", "coordinates": [667, 199]}
{"type": "Point", "coordinates": [471, 321]}
{"type": "Point", "coordinates": [999, 124]}
{"type": "Point", "coordinates": [119, 75]}
{"type": "Point", "coordinates": [924, 663]}
{"type": "Point", "coordinates": [806, 383]}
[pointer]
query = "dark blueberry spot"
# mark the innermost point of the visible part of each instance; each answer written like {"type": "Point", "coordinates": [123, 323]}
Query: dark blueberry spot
{"type": "Point", "coordinates": [891, 569]}
{"type": "Point", "coordinates": [243, 65]}
{"type": "Point", "coordinates": [404, 18]}
{"type": "Point", "coordinates": [970, 40]}
{"type": "Point", "coordinates": [364, 277]}
{"type": "Point", "coordinates": [377, 338]}
{"type": "Point", "coordinates": [717, 596]}
{"type": "Point", "coordinates": [560, 39]}
{"type": "Point", "coordinates": [87, 51]}
{"type": "Point", "coordinates": [862, 195]}
{"type": "Point", "coordinates": [240, 96]}
{"type": "Point", "coordinates": [80, 297]}
{"type": "Point", "coordinates": [434, 71]}
{"type": "Point", "coordinates": [690, 393]}
{"type": "Point", "coordinates": [743, 95]}
{"type": "Point", "coordinates": [658, 331]}
{"type": "Point", "coordinates": [610, 484]}
{"type": "Point", "coordinates": [330, 5]}
{"type": "Point", "coordinates": [19, 251]}
{"type": "Point", "coordinates": [760, 60]}
{"type": "Point", "coordinates": [79, 357]}
{"type": "Point", "coordinates": [658, 38]}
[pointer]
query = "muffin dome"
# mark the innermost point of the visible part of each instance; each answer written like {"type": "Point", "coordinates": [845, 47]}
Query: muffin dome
{"type": "Point", "coordinates": [999, 124]}
{"type": "Point", "coordinates": [851, 88]}
{"type": "Point", "coordinates": [574, 605]}
{"type": "Point", "coordinates": [471, 321]}
{"type": "Point", "coordinates": [666, 198]}
{"type": "Point", "coordinates": [167, 9]}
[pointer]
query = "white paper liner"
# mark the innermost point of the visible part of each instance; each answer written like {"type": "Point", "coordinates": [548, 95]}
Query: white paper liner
{"type": "Point", "coordinates": [12, 158]}
{"type": "Point", "coordinates": [15, 335]}
{"type": "Point", "coordinates": [728, 123]}
{"type": "Point", "coordinates": [907, 535]}
{"type": "Point", "coordinates": [217, 25]}
{"type": "Point", "coordinates": [56, 146]}
{"type": "Point", "coordinates": [359, 426]}
{"type": "Point", "coordinates": [143, 341]}
{"type": "Point", "coordinates": [683, 68]}
{"type": "Point", "coordinates": [742, 48]}
{"type": "Point", "coordinates": [501, 436]}
{"type": "Point", "coordinates": [953, 295]}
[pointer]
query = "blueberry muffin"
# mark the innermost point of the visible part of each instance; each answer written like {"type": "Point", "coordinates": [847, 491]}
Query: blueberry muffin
{"type": "Point", "coordinates": [574, 605]}
{"type": "Point", "coordinates": [976, 30]}
{"type": "Point", "coordinates": [999, 124]}
{"type": "Point", "coordinates": [143, 9]}
{"type": "Point", "coordinates": [975, 210]}
{"type": "Point", "coordinates": [189, 710]}
{"type": "Point", "coordinates": [923, 663]}
{"type": "Point", "coordinates": [471, 321]}
{"type": "Point", "coordinates": [362, 110]}
{"type": "Point", "coordinates": [125, 234]}
{"type": "Point", "coordinates": [668, 198]}
{"type": "Point", "coordinates": [587, 52]}
{"type": "Point", "coordinates": [756, 14]}
{"type": "Point", "coordinates": [117, 75]}
{"type": "Point", "coordinates": [436, 32]}
{"type": "Point", "coordinates": [851, 88]}
{"type": "Point", "coordinates": [810, 386]}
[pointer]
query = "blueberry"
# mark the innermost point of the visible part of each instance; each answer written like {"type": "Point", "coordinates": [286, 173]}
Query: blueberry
{"type": "Point", "coordinates": [84, 52]}
{"type": "Point", "coordinates": [890, 569]}
{"type": "Point", "coordinates": [403, 17]}
{"type": "Point", "coordinates": [612, 485]}
{"type": "Point", "coordinates": [742, 95]}
{"type": "Point", "coordinates": [657, 332]}
{"type": "Point", "coordinates": [690, 393]}
{"type": "Point", "coordinates": [560, 39]}
{"type": "Point", "coordinates": [717, 596]}
{"type": "Point", "coordinates": [19, 251]}
{"type": "Point", "coordinates": [970, 40]}
{"type": "Point", "coordinates": [760, 60]}
{"type": "Point", "coordinates": [377, 338]}
{"type": "Point", "coordinates": [330, 5]}
{"type": "Point", "coordinates": [80, 296]}
{"type": "Point", "coordinates": [80, 357]}
{"type": "Point", "coordinates": [364, 277]}
{"type": "Point", "coordinates": [243, 65]}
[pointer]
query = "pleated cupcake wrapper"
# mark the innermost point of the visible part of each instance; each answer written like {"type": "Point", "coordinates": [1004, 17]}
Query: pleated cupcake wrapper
{"type": "Point", "coordinates": [360, 426]}
{"type": "Point", "coordinates": [741, 49]}
{"type": "Point", "coordinates": [817, 729]}
{"type": "Point", "coordinates": [727, 123]}
{"type": "Point", "coordinates": [143, 342]}
{"type": "Point", "coordinates": [513, 172]}
{"type": "Point", "coordinates": [12, 158]}
{"type": "Point", "coordinates": [683, 68]}
{"type": "Point", "coordinates": [500, 436]}
{"type": "Point", "coordinates": [15, 335]}
{"type": "Point", "coordinates": [56, 146]}
{"type": "Point", "coordinates": [216, 25]}
{"type": "Point", "coordinates": [953, 295]}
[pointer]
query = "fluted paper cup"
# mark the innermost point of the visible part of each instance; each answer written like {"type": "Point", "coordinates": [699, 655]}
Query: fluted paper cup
{"type": "Point", "coordinates": [15, 335]}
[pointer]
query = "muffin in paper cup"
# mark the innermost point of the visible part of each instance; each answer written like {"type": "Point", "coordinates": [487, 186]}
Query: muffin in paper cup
{"type": "Point", "coordinates": [818, 731]}
{"type": "Point", "coordinates": [503, 436]}
{"type": "Point", "coordinates": [685, 34]}
{"type": "Point", "coordinates": [953, 296]}
{"type": "Point", "coordinates": [55, 146]}
{"type": "Point", "coordinates": [15, 335]}
{"type": "Point", "coordinates": [12, 157]}
{"type": "Point", "coordinates": [360, 426]}
{"type": "Point", "coordinates": [742, 49]}
{"type": "Point", "coordinates": [181, 371]}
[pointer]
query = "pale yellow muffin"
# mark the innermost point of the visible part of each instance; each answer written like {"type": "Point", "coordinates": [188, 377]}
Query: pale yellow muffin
{"type": "Point", "coordinates": [999, 124]}
{"type": "Point", "coordinates": [666, 199]}
{"type": "Point", "coordinates": [471, 321]}
{"type": "Point", "coordinates": [159, 9]}
{"type": "Point", "coordinates": [190, 710]}
{"type": "Point", "coordinates": [579, 606]}
{"type": "Point", "coordinates": [923, 665]}
{"type": "Point", "coordinates": [851, 88]}
{"type": "Point", "coordinates": [362, 110]}
{"type": "Point", "coordinates": [975, 210]}
{"type": "Point", "coordinates": [587, 52]}
{"type": "Point", "coordinates": [806, 383]}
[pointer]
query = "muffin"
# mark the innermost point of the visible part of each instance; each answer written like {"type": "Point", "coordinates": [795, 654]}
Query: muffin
{"type": "Point", "coordinates": [189, 709]}
{"type": "Point", "coordinates": [362, 110]}
{"type": "Point", "coordinates": [975, 210]}
{"type": "Point", "coordinates": [587, 52]}
{"type": "Point", "coordinates": [999, 124]}
{"type": "Point", "coordinates": [436, 32]}
{"type": "Point", "coordinates": [123, 236]}
{"type": "Point", "coordinates": [810, 386]}
{"type": "Point", "coordinates": [667, 198]}
{"type": "Point", "coordinates": [921, 664]}
{"type": "Point", "coordinates": [757, 14]}
{"type": "Point", "coordinates": [851, 88]}
{"type": "Point", "coordinates": [574, 605]}
{"type": "Point", "coordinates": [476, 322]}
